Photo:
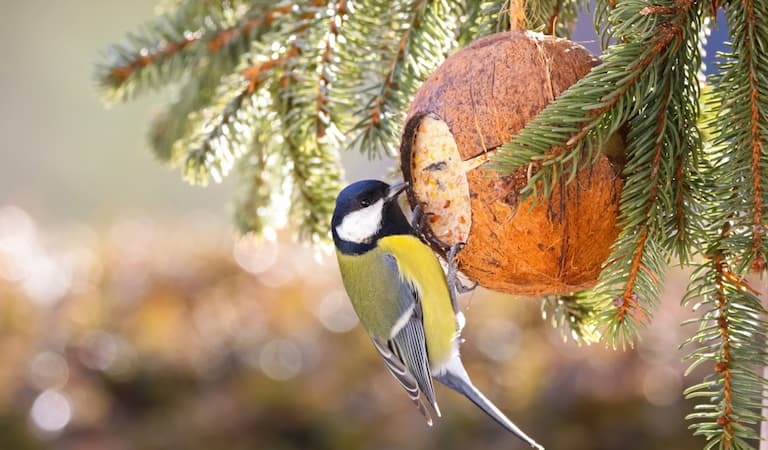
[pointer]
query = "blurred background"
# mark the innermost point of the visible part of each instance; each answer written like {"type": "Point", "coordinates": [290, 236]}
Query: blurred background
{"type": "Point", "coordinates": [132, 317]}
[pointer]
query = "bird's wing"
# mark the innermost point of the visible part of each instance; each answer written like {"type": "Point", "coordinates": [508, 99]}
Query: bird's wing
{"type": "Point", "coordinates": [403, 376]}
{"type": "Point", "coordinates": [410, 345]}
{"type": "Point", "coordinates": [407, 343]}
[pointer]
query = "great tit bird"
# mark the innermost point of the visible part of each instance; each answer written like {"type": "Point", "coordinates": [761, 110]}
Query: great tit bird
{"type": "Point", "coordinates": [402, 298]}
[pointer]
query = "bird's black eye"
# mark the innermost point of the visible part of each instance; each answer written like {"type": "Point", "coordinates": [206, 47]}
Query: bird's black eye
{"type": "Point", "coordinates": [365, 203]}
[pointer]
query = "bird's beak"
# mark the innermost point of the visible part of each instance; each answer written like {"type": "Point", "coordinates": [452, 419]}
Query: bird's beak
{"type": "Point", "coordinates": [395, 190]}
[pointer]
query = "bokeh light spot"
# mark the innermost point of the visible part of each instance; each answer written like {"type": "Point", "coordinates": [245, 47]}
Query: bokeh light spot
{"type": "Point", "coordinates": [98, 350]}
{"type": "Point", "coordinates": [51, 411]}
{"type": "Point", "coordinates": [48, 370]}
{"type": "Point", "coordinates": [255, 256]}
{"type": "Point", "coordinates": [662, 386]}
{"type": "Point", "coordinates": [498, 339]}
{"type": "Point", "coordinates": [335, 312]}
{"type": "Point", "coordinates": [280, 359]}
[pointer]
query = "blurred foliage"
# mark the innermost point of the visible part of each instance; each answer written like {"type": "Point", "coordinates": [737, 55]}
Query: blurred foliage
{"type": "Point", "coordinates": [148, 336]}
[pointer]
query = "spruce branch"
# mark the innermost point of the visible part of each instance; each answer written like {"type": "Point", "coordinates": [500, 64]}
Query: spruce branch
{"type": "Point", "coordinates": [731, 336]}
{"type": "Point", "coordinates": [553, 17]}
{"type": "Point", "coordinates": [169, 46]}
{"type": "Point", "coordinates": [311, 138]}
{"type": "Point", "coordinates": [398, 44]}
{"type": "Point", "coordinates": [227, 133]}
{"type": "Point", "coordinates": [740, 129]}
{"type": "Point", "coordinates": [327, 71]}
{"type": "Point", "coordinates": [568, 134]}
{"type": "Point", "coordinates": [263, 197]}
{"type": "Point", "coordinates": [574, 315]}
{"type": "Point", "coordinates": [171, 129]}
{"type": "Point", "coordinates": [488, 17]}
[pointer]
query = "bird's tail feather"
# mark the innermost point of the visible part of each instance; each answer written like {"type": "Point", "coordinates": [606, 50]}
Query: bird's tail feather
{"type": "Point", "coordinates": [455, 377]}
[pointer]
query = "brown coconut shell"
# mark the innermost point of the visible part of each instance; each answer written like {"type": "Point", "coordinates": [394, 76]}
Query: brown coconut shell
{"type": "Point", "coordinates": [475, 101]}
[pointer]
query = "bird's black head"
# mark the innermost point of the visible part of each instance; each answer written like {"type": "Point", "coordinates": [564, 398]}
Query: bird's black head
{"type": "Point", "coordinates": [365, 211]}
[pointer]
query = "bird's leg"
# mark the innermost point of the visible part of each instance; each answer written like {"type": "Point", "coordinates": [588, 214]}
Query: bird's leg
{"type": "Point", "coordinates": [419, 223]}
{"type": "Point", "coordinates": [419, 219]}
{"type": "Point", "coordinates": [455, 287]}
{"type": "Point", "coordinates": [453, 270]}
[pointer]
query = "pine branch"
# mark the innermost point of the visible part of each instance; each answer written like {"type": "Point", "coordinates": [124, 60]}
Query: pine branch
{"type": "Point", "coordinates": [262, 199]}
{"type": "Point", "coordinates": [574, 315]}
{"type": "Point", "coordinates": [740, 129]}
{"type": "Point", "coordinates": [568, 133]}
{"type": "Point", "coordinates": [227, 133]}
{"type": "Point", "coordinates": [398, 43]}
{"type": "Point", "coordinates": [311, 138]}
{"type": "Point", "coordinates": [731, 336]}
{"type": "Point", "coordinates": [166, 49]}
{"type": "Point", "coordinates": [567, 136]}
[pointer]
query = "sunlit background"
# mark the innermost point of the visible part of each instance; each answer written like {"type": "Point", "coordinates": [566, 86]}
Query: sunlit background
{"type": "Point", "coordinates": [132, 317]}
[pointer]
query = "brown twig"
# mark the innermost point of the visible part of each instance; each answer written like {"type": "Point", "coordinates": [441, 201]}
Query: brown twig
{"type": "Point", "coordinates": [215, 42]}
{"type": "Point", "coordinates": [254, 73]}
{"type": "Point", "coordinates": [551, 27]}
{"type": "Point", "coordinates": [121, 73]}
{"type": "Point", "coordinates": [388, 83]}
{"type": "Point", "coordinates": [516, 12]}
{"type": "Point", "coordinates": [637, 257]}
{"type": "Point", "coordinates": [723, 366]}
{"type": "Point", "coordinates": [756, 143]}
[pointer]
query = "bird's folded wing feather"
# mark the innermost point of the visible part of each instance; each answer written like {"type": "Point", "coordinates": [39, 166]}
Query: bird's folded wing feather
{"type": "Point", "coordinates": [403, 376]}
{"type": "Point", "coordinates": [407, 340]}
{"type": "Point", "coordinates": [409, 344]}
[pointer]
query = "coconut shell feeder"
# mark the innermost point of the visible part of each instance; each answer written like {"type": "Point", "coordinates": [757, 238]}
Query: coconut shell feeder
{"type": "Point", "coordinates": [475, 101]}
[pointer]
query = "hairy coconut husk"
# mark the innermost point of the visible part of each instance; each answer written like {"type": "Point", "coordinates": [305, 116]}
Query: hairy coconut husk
{"type": "Point", "coordinates": [475, 101]}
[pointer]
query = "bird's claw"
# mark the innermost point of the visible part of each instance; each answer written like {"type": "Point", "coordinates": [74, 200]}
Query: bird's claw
{"type": "Point", "coordinates": [419, 219]}
{"type": "Point", "coordinates": [455, 285]}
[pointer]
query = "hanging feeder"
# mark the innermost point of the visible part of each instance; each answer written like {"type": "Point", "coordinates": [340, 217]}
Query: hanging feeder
{"type": "Point", "coordinates": [474, 102]}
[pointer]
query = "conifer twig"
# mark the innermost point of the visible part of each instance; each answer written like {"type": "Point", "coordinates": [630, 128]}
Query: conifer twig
{"type": "Point", "coordinates": [398, 58]}
{"type": "Point", "coordinates": [143, 59]}
{"type": "Point", "coordinates": [335, 23]}
{"type": "Point", "coordinates": [629, 303]}
{"type": "Point", "coordinates": [757, 140]}
{"type": "Point", "coordinates": [589, 131]}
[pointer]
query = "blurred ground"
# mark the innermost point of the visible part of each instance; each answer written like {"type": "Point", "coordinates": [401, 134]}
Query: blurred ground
{"type": "Point", "coordinates": [130, 318]}
{"type": "Point", "coordinates": [155, 336]}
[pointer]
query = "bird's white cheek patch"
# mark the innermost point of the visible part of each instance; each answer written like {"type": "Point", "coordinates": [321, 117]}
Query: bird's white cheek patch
{"type": "Point", "coordinates": [361, 225]}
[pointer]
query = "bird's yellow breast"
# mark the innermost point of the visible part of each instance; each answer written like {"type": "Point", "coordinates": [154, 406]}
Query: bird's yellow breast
{"type": "Point", "coordinates": [371, 290]}
{"type": "Point", "coordinates": [420, 266]}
